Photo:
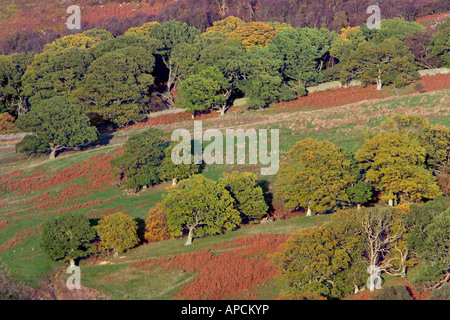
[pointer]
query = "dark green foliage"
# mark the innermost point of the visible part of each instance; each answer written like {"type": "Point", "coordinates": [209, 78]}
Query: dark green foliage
{"type": "Point", "coordinates": [116, 88]}
{"type": "Point", "coordinates": [262, 79]}
{"type": "Point", "coordinates": [200, 206]}
{"type": "Point", "coordinates": [173, 35]}
{"type": "Point", "coordinates": [118, 83]}
{"type": "Point", "coordinates": [12, 69]}
{"type": "Point", "coordinates": [248, 195]}
{"type": "Point", "coordinates": [67, 237]}
{"type": "Point", "coordinates": [203, 91]}
{"type": "Point", "coordinates": [387, 62]}
{"type": "Point", "coordinates": [31, 145]}
{"type": "Point", "coordinates": [394, 28]}
{"type": "Point", "coordinates": [360, 193]}
{"type": "Point", "coordinates": [429, 239]}
{"type": "Point", "coordinates": [55, 73]}
{"type": "Point", "coordinates": [140, 164]}
{"type": "Point", "coordinates": [56, 124]}
{"type": "Point", "coordinates": [303, 52]}
{"type": "Point", "coordinates": [441, 42]}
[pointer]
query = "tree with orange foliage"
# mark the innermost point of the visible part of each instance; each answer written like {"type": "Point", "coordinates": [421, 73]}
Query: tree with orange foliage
{"type": "Point", "coordinates": [7, 123]}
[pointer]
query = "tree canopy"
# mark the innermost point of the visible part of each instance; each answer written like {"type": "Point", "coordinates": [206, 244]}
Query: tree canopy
{"type": "Point", "coordinates": [387, 62]}
{"type": "Point", "coordinates": [247, 193]}
{"type": "Point", "coordinates": [57, 124]}
{"type": "Point", "coordinates": [395, 162]}
{"type": "Point", "coordinates": [314, 176]}
{"type": "Point", "coordinates": [140, 164]}
{"type": "Point", "coordinates": [117, 232]}
{"type": "Point", "coordinates": [67, 237]}
{"type": "Point", "coordinates": [200, 206]}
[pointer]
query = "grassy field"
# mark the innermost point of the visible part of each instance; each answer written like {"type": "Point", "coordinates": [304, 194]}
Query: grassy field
{"type": "Point", "coordinates": [141, 284]}
{"type": "Point", "coordinates": [34, 189]}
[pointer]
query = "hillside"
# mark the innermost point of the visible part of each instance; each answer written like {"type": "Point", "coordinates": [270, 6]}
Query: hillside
{"type": "Point", "coordinates": [123, 150]}
{"type": "Point", "coordinates": [82, 181]}
{"type": "Point", "coordinates": [28, 25]}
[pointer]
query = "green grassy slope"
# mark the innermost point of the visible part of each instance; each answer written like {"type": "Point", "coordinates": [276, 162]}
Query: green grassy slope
{"type": "Point", "coordinates": [22, 211]}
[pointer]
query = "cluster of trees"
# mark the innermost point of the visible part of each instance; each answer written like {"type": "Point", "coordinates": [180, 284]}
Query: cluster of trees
{"type": "Point", "coordinates": [116, 79]}
{"type": "Point", "coordinates": [357, 247]}
{"type": "Point", "coordinates": [398, 165]}
{"type": "Point", "coordinates": [72, 236]}
{"type": "Point", "coordinates": [197, 205]}
{"type": "Point", "coordinates": [147, 161]}
{"type": "Point", "coordinates": [201, 206]}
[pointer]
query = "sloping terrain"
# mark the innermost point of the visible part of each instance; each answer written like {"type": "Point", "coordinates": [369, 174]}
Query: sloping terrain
{"type": "Point", "coordinates": [33, 189]}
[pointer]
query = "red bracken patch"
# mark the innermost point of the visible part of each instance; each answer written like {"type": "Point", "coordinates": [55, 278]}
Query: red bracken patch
{"type": "Point", "coordinates": [229, 269]}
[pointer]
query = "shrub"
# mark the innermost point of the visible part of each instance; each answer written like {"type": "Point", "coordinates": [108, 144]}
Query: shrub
{"type": "Point", "coordinates": [117, 232]}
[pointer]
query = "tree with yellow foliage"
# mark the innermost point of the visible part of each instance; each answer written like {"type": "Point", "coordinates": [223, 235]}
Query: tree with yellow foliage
{"type": "Point", "coordinates": [249, 34]}
{"type": "Point", "coordinates": [117, 232]}
{"type": "Point", "coordinates": [146, 29]}
{"type": "Point", "coordinates": [78, 40]}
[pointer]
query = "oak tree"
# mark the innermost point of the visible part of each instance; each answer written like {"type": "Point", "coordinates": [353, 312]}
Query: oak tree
{"type": "Point", "coordinates": [200, 206]}
{"type": "Point", "coordinates": [140, 164]}
{"type": "Point", "coordinates": [314, 176]}
{"type": "Point", "coordinates": [67, 237]}
{"type": "Point", "coordinates": [57, 124]}
{"type": "Point", "coordinates": [117, 232]}
{"type": "Point", "coordinates": [247, 193]}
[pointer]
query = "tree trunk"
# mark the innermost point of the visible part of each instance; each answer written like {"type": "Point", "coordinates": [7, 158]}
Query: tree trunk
{"type": "Point", "coordinates": [72, 262]}
{"type": "Point", "coordinates": [391, 202]}
{"type": "Point", "coordinates": [222, 111]}
{"type": "Point", "coordinates": [379, 83]}
{"type": "Point", "coordinates": [53, 154]}
{"type": "Point", "coordinates": [374, 281]}
{"type": "Point", "coordinates": [189, 239]}
{"type": "Point", "coordinates": [174, 182]}
{"type": "Point", "coordinates": [358, 206]}
{"type": "Point", "coordinates": [309, 213]}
